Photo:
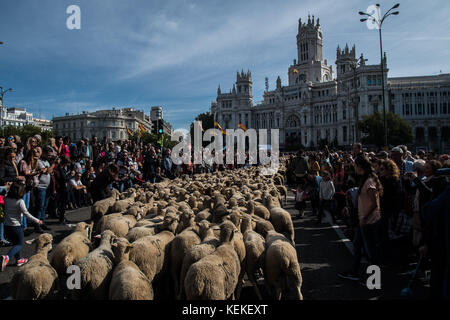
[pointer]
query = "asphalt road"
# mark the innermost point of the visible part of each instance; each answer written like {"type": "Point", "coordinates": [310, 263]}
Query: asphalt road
{"type": "Point", "coordinates": [322, 249]}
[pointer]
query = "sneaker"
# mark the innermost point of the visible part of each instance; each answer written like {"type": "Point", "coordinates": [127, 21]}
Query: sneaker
{"type": "Point", "coordinates": [5, 260]}
{"type": "Point", "coordinates": [349, 276]}
{"type": "Point", "coordinates": [5, 243]}
{"type": "Point", "coordinates": [21, 262]}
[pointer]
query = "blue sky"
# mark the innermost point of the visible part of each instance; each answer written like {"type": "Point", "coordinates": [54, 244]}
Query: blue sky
{"type": "Point", "coordinates": [175, 53]}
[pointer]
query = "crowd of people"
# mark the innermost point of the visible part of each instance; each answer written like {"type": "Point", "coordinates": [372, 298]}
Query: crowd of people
{"type": "Point", "coordinates": [393, 204]}
{"type": "Point", "coordinates": [388, 200]}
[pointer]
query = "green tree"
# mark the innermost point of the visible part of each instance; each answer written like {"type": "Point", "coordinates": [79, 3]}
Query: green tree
{"type": "Point", "coordinates": [28, 131]}
{"type": "Point", "coordinates": [398, 130]}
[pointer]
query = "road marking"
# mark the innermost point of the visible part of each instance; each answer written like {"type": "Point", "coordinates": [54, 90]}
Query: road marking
{"type": "Point", "coordinates": [341, 235]}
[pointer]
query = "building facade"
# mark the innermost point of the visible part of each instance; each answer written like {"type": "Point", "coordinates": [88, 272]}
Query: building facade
{"type": "Point", "coordinates": [15, 117]}
{"type": "Point", "coordinates": [317, 107]}
{"type": "Point", "coordinates": [111, 124]}
{"type": "Point", "coordinates": [45, 125]}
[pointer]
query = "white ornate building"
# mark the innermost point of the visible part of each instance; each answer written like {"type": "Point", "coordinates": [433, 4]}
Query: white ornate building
{"type": "Point", "coordinates": [315, 106]}
{"type": "Point", "coordinates": [111, 124]}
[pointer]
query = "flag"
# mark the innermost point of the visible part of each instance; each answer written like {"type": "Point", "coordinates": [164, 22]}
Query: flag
{"type": "Point", "coordinates": [295, 71]}
{"type": "Point", "coordinates": [241, 126]}
{"type": "Point", "coordinates": [142, 128]}
{"type": "Point", "coordinates": [129, 131]}
{"type": "Point", "coordinates": [217, 126]}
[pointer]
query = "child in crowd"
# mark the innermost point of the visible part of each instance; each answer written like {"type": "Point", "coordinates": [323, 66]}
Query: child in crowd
{"type": "Point", "coordinates": [14, 210]}
{"type": "Point", "coordinates": [301, 196]}
{"type": "Point", "coordinates": [326, 194]}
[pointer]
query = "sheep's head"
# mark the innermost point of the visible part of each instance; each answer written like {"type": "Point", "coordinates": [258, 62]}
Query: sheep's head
{"type": "Point", "coordinates": [43, 242]}
{"type": "Point", "coordinates": [203, 228]}
{"type": "Point", "coordinates": [84, 227]}
{"type": "Point", "coordinates": [247, 223]}
{"type": "Point", "coordinates": [115, 194]}
{"type": "Point", "coordinates": [170, 222]}
{"type": "Point", "coordinates": [232, 203]}
{"type": "Point", "coordinates": [263, 227]}
{"type": "Point", "coordinates": [121, 249]}
{"type": "Point", "coordinates": [107, 236]}
{"type": "Point", "coordinates": [187, 216]}
{"type": "Point", "coordinates": [227, 229]}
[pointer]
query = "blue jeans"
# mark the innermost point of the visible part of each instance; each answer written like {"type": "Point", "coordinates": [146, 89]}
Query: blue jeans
{"type": "Point", "coordinates": [26, 199]}
{"type": "Point", "coordinates": [2, 236]}
{"type": "Point", "coordinates": [15, 235]}
{"type": "Point", "coordinates": [41, 203]}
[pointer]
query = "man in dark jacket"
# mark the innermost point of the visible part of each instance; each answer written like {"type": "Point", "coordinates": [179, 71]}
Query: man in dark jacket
{"type": "Point", "coordinates": [8, 171]}
{"type": "Point", "coordinates": [436, 215]}
{"type": "Point", "coordinates": [62, 176]}
{"type": "Point", "coordinates": [99, 189]}
{"type": "Point", "coordinates": [300, 166]}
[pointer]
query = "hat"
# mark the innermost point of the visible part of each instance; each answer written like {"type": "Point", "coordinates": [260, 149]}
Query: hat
{"type": "Point", "coordinates": [397, 149]}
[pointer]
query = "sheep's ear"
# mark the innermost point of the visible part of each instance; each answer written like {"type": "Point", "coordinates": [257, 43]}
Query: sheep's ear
{"type": "Point", "coordinates": [130, 245]}
{"type": "Point", "coordinates": [30, 241]}
{"type": "Point", "coordinates": [98, 236]}
{"type": "Point", "coordinates": [114, 244]}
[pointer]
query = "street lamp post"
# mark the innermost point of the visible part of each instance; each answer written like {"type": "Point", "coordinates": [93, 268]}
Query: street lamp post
{"type": "Point", "coordinates": [2, 93]}
{"type": "Point", "coordinates": [379, 21]}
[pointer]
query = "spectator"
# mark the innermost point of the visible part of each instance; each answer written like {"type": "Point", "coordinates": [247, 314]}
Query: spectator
{"type": "Point", "coordinates": [389, 204]}
{"type": "Point", "coordinates": [301, 166]}
{"type": "Point", "coordinates": [167, 164]}
{"type": "Point", "coordinates": [40, 192]}
{"type": "Point", "coordinates": [366, 234]}
{"type": "Point", "coordinates": [28, 168]}
{"type": "Point", "coordinates": [100, 187]}
{"type": "Point", "coordinates": [79, 190]}
{"type": "Point", "coordinates": [14, 210]}
{"type": "Point", "coordinates": [300, 200]}
{"type": "Point", "coordinates": [326, 194]}
{"type": "Point", "coordinates": [8, 171]}
{"type": "Point", "coordinates": [62, 175]}
{"type": "Point", "coordinates": [357, 149]}
{"type": "Point", "coordinates": [436, 220]}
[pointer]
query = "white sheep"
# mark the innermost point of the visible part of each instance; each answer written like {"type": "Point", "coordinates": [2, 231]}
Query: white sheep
{"type": "Point", "coordinates": [128, 282]}
{"type": "Point", "coordinates": [151, 253]}
{"type": "Point", "coordinates": [96, 270]}
{"type": "Point", "coordinates": [215, 276]}
{"type": "Point", "coordinates": [72, 248]}
{"type": "Point", "coordinates": [37, 279]}
{"type": "Point", "coordinates": [281, 261]}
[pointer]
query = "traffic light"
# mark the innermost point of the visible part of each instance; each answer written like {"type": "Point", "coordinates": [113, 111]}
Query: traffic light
{"type": "Point", "coordinates": [160, 131]}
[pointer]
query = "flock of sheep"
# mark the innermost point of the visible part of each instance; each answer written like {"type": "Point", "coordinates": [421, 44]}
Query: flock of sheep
{"type": "Point", "coordinates": [189, 238]}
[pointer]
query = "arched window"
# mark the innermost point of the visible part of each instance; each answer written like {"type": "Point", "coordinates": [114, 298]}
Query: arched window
{"type": "Point", "coordinates": [292, 122]}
